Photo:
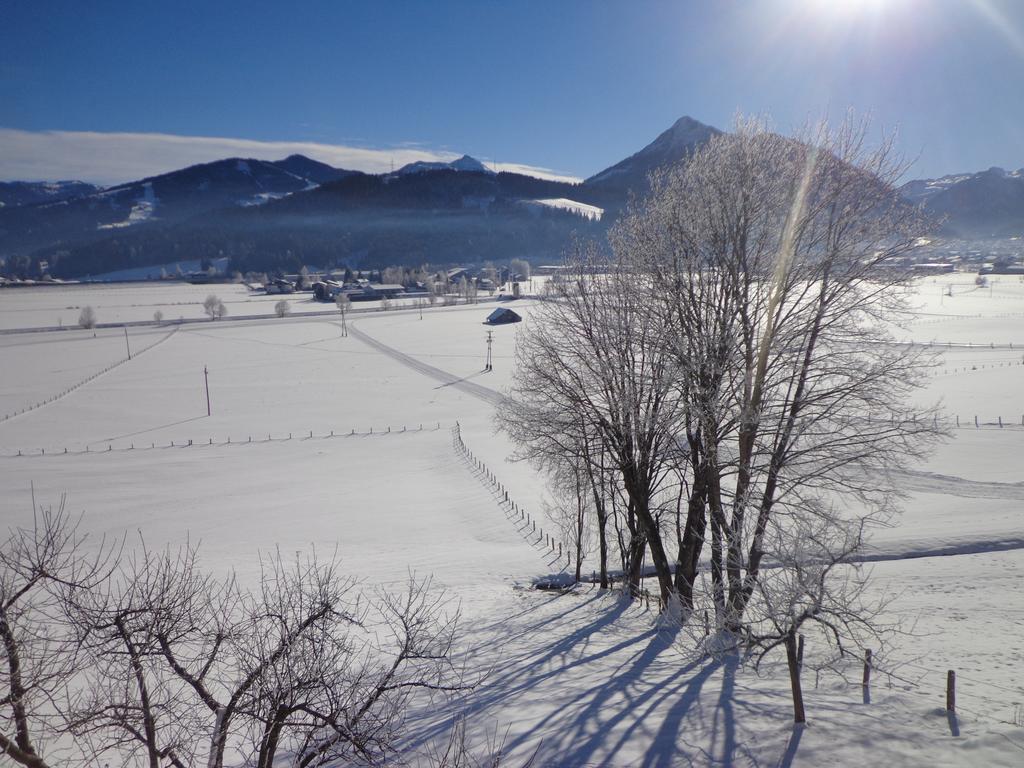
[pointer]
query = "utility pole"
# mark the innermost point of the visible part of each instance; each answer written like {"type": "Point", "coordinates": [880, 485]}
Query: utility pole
{"type": "Point", "coordinates": [490, 340]}
{"type": "Point", "coordinates": [126, 343]}
{"type": "Point", "coordinates": [206, 379]}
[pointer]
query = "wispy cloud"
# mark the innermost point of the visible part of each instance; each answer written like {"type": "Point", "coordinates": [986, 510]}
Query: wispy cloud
{"type": "Point", "coordinates": [112, 158]}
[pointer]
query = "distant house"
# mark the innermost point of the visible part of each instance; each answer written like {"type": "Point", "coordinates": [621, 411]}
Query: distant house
{"type": "Point", "coordinates": [502, 316]}
{"type": "Point", "coordinates": [326, 290]}
{"type": "Point", "coordinates": [456, 274]}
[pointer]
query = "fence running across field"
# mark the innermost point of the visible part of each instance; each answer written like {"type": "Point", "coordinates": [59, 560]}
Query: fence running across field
{"type": "Point", "coordinates": [525, 523]}
{"type": "Point", "coordinates": [108, 447]}
{"type": "Point", "coordinates": [83, 382]}
{"type": "Point", "coordinates": [946, 686]}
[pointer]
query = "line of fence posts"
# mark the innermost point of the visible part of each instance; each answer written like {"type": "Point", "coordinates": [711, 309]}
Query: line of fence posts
{"type": "Point", "coordinates": [795, 656]}
{"type": "Point", "coordinates": [518, 511]}
{"type": "Point", "coordinates": [83, 382]}
{"type": "Point", "coordinates": [189, 443]}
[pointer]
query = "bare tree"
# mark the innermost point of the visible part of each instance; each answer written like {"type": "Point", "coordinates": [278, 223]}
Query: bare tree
{"type": "Point", "coordinates": [405, 652]}
{"type": "Point", "coordinates": [214, 307]}
{"type": "Point", "coordinates": [158, 317]}
{"type": "Point", "coordinates": [733, 356]}
{"type": "Point", "coordinates": [39, 568]}
{"type": "Point", "coordinates": [130, 703]}
{"type": "Point", "coordinates": [87, 317]}
{"type": "Point", "coordinates": [773, 261]}
{"type": "Point", "coordinates": [570, 510]}
{"type": "Point", "coordinates": [592, 363]}
{"type": "Point", "coordinates": [815, 588]}
{"type": "Point", "coordinates": [282, 308]}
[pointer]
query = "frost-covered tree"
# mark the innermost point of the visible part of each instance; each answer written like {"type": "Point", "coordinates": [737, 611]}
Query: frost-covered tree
{"type": "Point", "coordinates": [592, 365]}
{"type": "Point", "coordinates": [214, 307]}
{"type": "Point", "coordinates": [282, 308]}
{"type": "Point", "coordinates": [520, 269]}
{"type": "Point", "coordinates": [733, 355]}
{"type": "Point", "coordinates": [87, 317]}
{"type": "Point", "coordinates": [774, 263]}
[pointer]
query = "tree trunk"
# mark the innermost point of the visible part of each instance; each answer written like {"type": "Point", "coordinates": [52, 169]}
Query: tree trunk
{"type": "Point", "coordinates": [580, 526]}
{"type": "Point", "coordinates": [717, 576]}
{"type": "Point", "coordinates": [602, 519]}
{"type": "Point", "coordinates": [640, 498]}
{"type": "Point", "coordinates": [794, 677]}
{"type": "Point", "coordinates": [690, 549]}
{"type": "Point", "coordinates": [271, 738]}
{"type": "Point", "coordinates": [148, 723]}
{"type": "Point", "coordinates": [635, 561]}
{"type": "Point", "coordinates": [17, 689]}
{"type": "Point", "coordinates": [602, 539]}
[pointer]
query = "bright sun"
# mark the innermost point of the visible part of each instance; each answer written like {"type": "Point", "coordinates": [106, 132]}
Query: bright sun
{"type": "Point", "coordinates": [848, 8]}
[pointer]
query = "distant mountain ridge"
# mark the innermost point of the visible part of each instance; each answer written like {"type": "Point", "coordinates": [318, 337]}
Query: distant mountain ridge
{"type": "Point", "coordinates": [168, 198]}
{"type": "Point", "coordinates": [988, 203]}
{"type": "Point", "coordinates": [14, 193]}
{"type": "Point", "coordinates": [265, 215]}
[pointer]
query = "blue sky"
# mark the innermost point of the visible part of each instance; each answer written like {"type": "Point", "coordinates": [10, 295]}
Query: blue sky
{"type": "Point", "coordinates": [567, 86]}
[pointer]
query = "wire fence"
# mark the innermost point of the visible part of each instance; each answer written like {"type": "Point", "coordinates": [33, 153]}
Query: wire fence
{"type": "Point", "coordinates": [526, 523]}
{"type": "Point", "coordinates": [945, 689]}
{"type": "Point", "coordinates": [115, 447]}
{"type": "Point", "coordinates": [75, 387]}
{"type": "Point", "coordinates": [935, 684]}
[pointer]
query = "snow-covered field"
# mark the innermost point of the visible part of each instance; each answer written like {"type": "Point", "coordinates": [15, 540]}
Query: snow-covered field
{"type": "Point", "coordinates": [287, 460]}
{"type": "Point", "coordinates": [60, 305]}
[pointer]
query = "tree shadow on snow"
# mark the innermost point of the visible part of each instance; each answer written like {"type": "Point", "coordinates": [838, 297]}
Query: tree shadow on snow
{"type": "Point", "coordinates": [611, 688]}
{"type": "Point", "coordinates": [612, 695]}
{"type": "Point", "coordinates": [794, 744]}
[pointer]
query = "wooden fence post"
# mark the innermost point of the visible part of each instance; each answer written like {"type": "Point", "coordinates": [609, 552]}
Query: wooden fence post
{"type": "Point", "coordinates": [951, 691]}
{"type": "Point", "coordinates": [867, 668]}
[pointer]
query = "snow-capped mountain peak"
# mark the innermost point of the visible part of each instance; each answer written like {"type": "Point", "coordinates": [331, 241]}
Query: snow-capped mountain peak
{"type": "Point", "coordinates": [671, 146]}
{"type": "Point", "coordinates": [464, 163]}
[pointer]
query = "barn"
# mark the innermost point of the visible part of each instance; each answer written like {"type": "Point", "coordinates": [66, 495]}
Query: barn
{"type": "Point", "coordinates": [501, 316]}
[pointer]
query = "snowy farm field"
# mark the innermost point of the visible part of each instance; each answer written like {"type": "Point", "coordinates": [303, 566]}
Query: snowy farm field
{"type": "Point", "coordinates": [344, 443]}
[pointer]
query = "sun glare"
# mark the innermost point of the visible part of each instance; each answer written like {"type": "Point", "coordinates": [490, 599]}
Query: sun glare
{"type": "Point", "coordinates": [849, 9]}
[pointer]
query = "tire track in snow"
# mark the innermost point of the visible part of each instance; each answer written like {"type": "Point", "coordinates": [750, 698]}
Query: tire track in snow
{"type": "Point", "coordinates": [947, 550]}
{"type": "Point", "coordinates": [449, 379]}
{"type": "Point", "coordinates": [950, 485]}
{"type": "Point", "coordinates": [927, 482]}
